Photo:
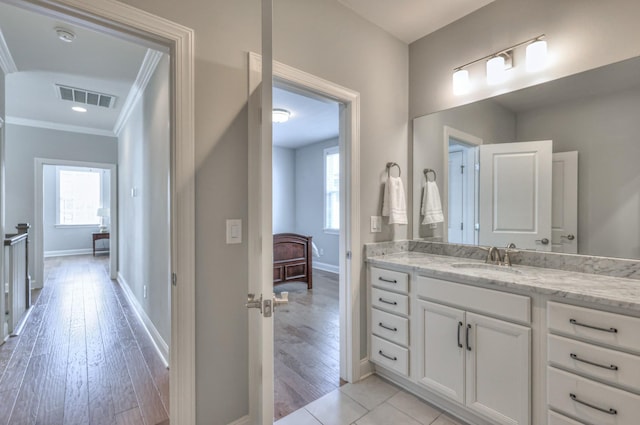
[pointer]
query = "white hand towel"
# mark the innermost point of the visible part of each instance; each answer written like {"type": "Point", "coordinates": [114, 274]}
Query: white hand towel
{"type": "Point", "coordinates": [431, 207]}
{"type": "Point", "coordinates": [314, 249]}
{"type": "Point", "coordinates": [394, 205]}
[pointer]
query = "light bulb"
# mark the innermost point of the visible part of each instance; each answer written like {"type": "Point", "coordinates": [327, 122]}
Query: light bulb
{"type": "Point", "coordinates": [461, 84]}
{"type": "Point", "coordinates": [536, 56]}
{"type": "Point", "coordinates": [496, 72]}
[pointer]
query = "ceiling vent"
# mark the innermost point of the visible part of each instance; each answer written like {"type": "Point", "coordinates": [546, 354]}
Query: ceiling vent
{"type": "Point", "coordinates": [86, 97]}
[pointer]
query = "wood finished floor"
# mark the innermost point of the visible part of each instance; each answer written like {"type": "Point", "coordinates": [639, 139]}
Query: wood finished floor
{"type": "Point", "coordinates": [83, 357]}
{"type": "Point", "coordinates": [307, 343]}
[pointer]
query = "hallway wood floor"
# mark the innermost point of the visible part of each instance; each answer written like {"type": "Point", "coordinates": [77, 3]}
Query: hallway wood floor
{"type": "Point", "coordinates": [306, 343]}
{"type": "Point", "coordinates": [83, 357]}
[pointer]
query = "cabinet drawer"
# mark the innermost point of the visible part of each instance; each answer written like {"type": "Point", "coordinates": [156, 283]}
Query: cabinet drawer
{"type": "Point", "coordinates": [558, 419]}
{"type": "Point", "coordinates": [611, 365]}
{"type": "Point", "coordinates": [496, 303]}
{"type": "Point", "coordinates": [390, 326]}
{"type": "Point", "coordinates": [389, 279]}
{"type": "Point", "coordinates": [390, 355]}
{"type": "Point", "coordinates": [390, 301]}
{"type": "Point", "coordinates": [612, 329]}
{"type": "Point", "coordinates": [582, 399]}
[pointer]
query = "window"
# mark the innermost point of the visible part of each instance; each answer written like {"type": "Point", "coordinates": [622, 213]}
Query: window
{"type": "Point", "coordinates": [79, 196]}
{"type": "Point", "coordinates": [332, 189]}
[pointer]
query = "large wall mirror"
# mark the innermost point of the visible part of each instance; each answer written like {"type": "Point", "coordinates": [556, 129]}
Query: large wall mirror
{"type": "Point", "coordinates": [554, 167]}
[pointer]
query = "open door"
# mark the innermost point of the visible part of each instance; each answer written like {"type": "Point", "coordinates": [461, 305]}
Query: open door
{"type": "Point", "coordinates": [515, 194]}
{"type": "Point", "coordinates": [564, 216]}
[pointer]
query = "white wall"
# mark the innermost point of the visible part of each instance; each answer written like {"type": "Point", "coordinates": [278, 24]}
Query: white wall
{"type": "Point", "coordinates": [309, 206]}
{"type": "Point", "coordinates": [143, 161]}
{"type": "Point", "coordinates": [604, 130]}
{"type": "Point", "coordinates": [23, 145]}
{"type": "Point", "coordinates": [58, 239]}
{"type": "Point", "coordinates": [581, 35]}
{"type": "Point", "coordinates": [284, 193]}
{"type": "Point", "coordinates": [317, 36]}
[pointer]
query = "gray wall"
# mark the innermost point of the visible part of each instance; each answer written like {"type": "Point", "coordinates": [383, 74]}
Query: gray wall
{"type": "Point", "coordinates": [23, 144]}
{"type": "Point", "coordinates": [57, 239]}
{"type": "Point", "coordinates": [486, 120]}
{"type": "Point", "coordinates": [317, 36]}
{"type": "Point", "coordinates": [581, 35]}
{"type": "Point", "coordinates": [309, 208]}
{"type": "Point", "coordinates": [604, 130]}
{"type": "Point", "coordinates": [143, 160]}
{"type": "Point", "coordinates": [284, 190]}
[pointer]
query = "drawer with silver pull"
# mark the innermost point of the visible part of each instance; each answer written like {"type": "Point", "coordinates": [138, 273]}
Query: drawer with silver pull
{"type": "Point", "coordinates": [615, 330]}
{"type": "Point", "coordinates": [390, 355]}
{"type": "Point", "coordinates": [607, 365]}
{"type": "Point", "coordinates": [390, 326]}
{"type": "Point", "coordinates": [590, 401]}
{"type": "Point", "coordinates": [390, 301]}
{"type": "Point", "coordinates": [389, 279]}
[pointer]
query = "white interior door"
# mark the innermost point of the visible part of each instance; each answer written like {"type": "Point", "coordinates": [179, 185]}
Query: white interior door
{"type": "Point", "coordinates": [515, 194]}
{"type": "Point", "coordinates": [564, 216]}
{"type": "Point", "coordinates": [456, 197]}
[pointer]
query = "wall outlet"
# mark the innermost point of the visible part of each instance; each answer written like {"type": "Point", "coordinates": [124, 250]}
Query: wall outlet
{"type": "Point", "coordinates": [376, 224]}
{"type": "Point", "coordinates": [144, 291]}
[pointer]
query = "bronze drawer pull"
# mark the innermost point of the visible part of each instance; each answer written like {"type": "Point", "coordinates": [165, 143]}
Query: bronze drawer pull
{"type": "Point", "coordinates": [394, 358]}
{"type": "Point", "coordinates": [600, 409]}
{"type": "Point", "coordinates": [610, 367]}
{"type": "Point", "coordinates": [387, 280]}
{"type": "Point", "coordinates": [387, 327]}
{"type": "Point", "coordinates": [382, 300]}
{"type": "Point", "coordinates": [467, 337]}
{"type": "Point", "coordinates": [459, 327]}
{"type": "Point", "coordinates": [575, 322]}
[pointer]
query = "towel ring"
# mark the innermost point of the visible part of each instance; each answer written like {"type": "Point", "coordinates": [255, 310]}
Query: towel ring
{"type": "Point", "coordinates": [393, 164]}
{"type": "Point", "coordinates": [426, 174]}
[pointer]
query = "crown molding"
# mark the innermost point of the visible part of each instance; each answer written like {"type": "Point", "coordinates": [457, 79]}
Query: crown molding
{"type": "Point", "coordinates": [148, 67]}
{"type": "Point", "coordinates": [6, 60]}
{"type": "Point", "coordinates": [60, 127]}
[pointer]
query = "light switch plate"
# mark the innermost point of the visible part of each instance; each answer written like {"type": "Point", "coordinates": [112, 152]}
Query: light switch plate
{"type": "Point", "coordinates": [376, 224]}
{"type": "Point", "coordinates": [234, 231]}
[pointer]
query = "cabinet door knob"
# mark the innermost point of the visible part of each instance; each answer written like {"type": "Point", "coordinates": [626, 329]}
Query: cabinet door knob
{"type": "Point", "coordinates": [543, 241]}
{"type": "Point", "coordinates": [568, 237]}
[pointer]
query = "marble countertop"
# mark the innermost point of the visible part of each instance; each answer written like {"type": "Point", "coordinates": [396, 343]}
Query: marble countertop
{"type": "Point", "coordinates": [605, 290]}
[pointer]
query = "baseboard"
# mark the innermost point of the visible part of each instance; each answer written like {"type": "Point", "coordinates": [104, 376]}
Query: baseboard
{"type": "Point", "coordinates": [67, 252]}
{"type": "Point", "coordinates": [242, 421]}
{"type": "Point", "coordinates": [366, 368]}
{"type": "Point", "coordinates": [326, 267]}
{"type": "Point", "coordinates": [159, 343]}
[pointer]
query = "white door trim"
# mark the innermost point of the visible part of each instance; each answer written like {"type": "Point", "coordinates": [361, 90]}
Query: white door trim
{"type": "Point", "coordinates": [350, 194]}
{"type": "Point", "coordinates": [38, 231]}
{"type": "Point", "coordinates": [128, 22]}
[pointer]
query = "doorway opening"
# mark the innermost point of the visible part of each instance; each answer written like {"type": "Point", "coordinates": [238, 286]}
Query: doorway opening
{"type": "Point", "coordinates": [306, 210]}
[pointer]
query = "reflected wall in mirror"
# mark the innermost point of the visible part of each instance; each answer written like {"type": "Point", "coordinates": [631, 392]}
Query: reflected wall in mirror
{"type": "Point", "coordinates": [593, 178]}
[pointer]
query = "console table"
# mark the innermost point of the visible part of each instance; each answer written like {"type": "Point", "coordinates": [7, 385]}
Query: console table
{"type": "Point", "coordinates": [96, 237]}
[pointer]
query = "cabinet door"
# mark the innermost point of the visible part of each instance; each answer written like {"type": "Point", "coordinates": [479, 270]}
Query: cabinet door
{"type": "Point", "coordinates": [440, 352]}
{"type": "Point", "coordinates": [498, 370]}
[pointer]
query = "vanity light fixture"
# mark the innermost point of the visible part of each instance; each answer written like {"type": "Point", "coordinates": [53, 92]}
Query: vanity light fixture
{"type": "Point", "coordinates": [499, 62]}
{"type": "Point", "coordinates": [280, 115]}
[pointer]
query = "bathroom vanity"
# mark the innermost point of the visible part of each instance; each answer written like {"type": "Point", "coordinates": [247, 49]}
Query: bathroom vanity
{"type": "Point", "coordinates": [506, 345]}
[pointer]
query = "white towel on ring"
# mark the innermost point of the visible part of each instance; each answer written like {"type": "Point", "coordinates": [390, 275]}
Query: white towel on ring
{"type": "Point", "coordinates": [431, 207]}
{"type": "Point", "coordinates": [394, 205]}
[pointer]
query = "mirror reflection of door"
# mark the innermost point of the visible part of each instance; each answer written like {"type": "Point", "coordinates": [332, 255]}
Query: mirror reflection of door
{"type": "Point", "coordinates": [462, 200]}
{"type": "Point", "coordinates": [564, 215]}
{"type": "Point", "coordinates": [515, 194]}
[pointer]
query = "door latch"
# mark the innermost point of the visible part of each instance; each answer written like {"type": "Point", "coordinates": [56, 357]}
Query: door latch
{"type": "Point", "coordinates": [252, 302]}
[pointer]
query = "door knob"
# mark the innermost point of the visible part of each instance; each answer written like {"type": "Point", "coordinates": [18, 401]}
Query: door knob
{"type": "Point", "coordinates": [543, 241]}
{"type": "Point", "coordinates": [282, 300]}
{"type": "Point", "coordinates": [568, 237]}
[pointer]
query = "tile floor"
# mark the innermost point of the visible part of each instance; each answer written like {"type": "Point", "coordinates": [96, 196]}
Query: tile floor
{"type": "Point", "coordinates": [373, 401]}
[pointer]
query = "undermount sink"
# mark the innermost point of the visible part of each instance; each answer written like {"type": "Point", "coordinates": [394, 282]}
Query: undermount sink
{"type": "Point", "coordinates": [484, 266]}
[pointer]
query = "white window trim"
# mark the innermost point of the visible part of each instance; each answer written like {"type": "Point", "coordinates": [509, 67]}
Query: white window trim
{"type": "Point", "coordinates": [327, 151]}
{"type": "Point", "coordinates": [74, 168]}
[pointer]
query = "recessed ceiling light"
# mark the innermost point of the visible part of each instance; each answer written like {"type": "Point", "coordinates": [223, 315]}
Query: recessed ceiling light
{"type": "Point", "coordinates": [65, 35]}
{"type": "Point", "coordinates": [281, 115]}
{"type": "Point", "coordinates": [79, 109]}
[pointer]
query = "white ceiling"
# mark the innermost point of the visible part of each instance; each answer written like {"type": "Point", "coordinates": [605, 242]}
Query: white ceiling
{"type": "Point", "coordinates": [410, 20]}
{"type": "Point", "coordinates": [93, 61]}
{"type": "Point", "coordinates": [312, 120]}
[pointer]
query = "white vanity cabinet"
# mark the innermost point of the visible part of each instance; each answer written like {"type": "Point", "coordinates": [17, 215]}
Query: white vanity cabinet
{"type": "Point", "coordinates": [481, 362]}
{"type": "Point", "coordinates": [594, 367]}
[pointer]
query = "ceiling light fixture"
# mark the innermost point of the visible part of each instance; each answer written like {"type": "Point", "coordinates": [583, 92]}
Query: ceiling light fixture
{"type": "Point", "coordinates": [79, 109]}
{"type": "Point", "coordinates": [499, 62]}
{"type": "Point", "coordinates": [280, 115]}
{"type": "Point", "coordinates": [65, 35]}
